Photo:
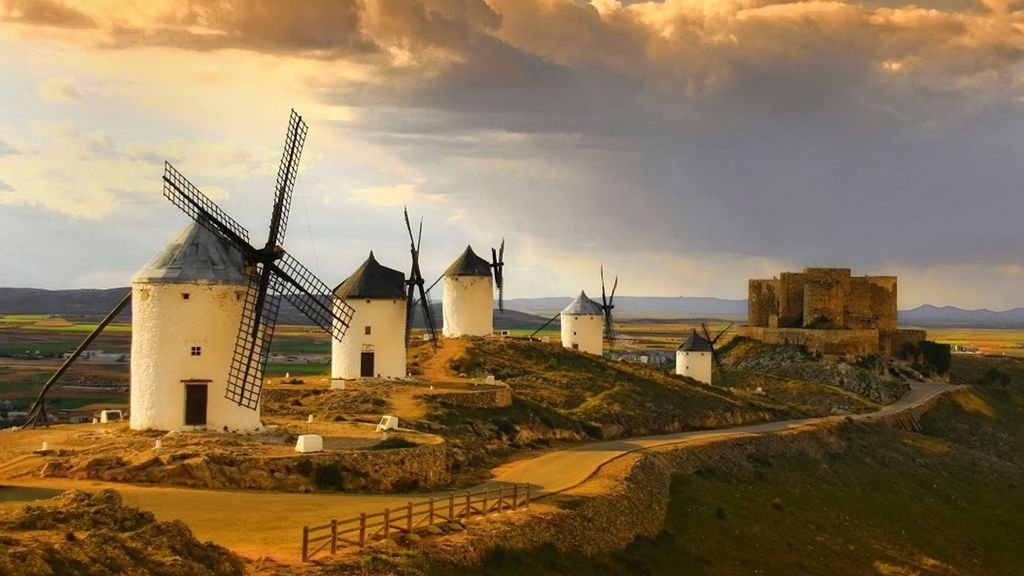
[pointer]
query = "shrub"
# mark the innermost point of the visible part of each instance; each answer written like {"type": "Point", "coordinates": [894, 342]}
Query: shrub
{"type": "Point", "coordinates": [328, 476]}
{"type": "Point", "coordinates": [392, 443]}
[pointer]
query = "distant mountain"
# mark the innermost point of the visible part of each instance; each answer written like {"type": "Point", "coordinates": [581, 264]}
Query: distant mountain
{"type": "Point", "coordinates": [936, 316]}
{"type": "Point", "coordinates": [642, 306]}
{"type": "Point", "coordinates": [520, 313]}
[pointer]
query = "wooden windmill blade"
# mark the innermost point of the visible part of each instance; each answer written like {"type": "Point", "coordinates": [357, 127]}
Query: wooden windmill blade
{"type": "Point", "coordinates": [37, 411]}
{"type": "Point", "coordinates": [498, 265]}
{"type": "Point", "coordinates": [200, 208]}
{"type": "Point", "coordinates": [545, 325]}
{"type": "Point", "coordinates": [415, 284]}
{"type": "Point", "coordinates": [252, 345]}
{"type": "Point", "coordinates": [311, 296]}
{"type": "Point", "coordinates": [294, 141]}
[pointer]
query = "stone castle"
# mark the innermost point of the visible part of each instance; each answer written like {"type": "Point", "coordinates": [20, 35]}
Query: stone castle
{"type": "Point", "coordinates": [828, 311]}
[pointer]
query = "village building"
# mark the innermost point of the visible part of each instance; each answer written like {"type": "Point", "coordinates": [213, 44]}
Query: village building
{"type": "Point", "coordinates": [693, 358]}
{"type": "Point", "coordinates": [468, 305]}
{"type": "Point", "coordinates": [374, 346]}
{"type": "Point", "coordinates": [186, 308]}
{"type": "Point", "coordinates": [583, 325]}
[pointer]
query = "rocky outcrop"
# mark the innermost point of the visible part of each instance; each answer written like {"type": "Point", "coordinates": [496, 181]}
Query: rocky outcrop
{"type": "Point", "coordinates": [388, 470]}
{"type": "Point", "coordinates": [95, 535]}
{"type": "Point", "coordinates": [499, 397]}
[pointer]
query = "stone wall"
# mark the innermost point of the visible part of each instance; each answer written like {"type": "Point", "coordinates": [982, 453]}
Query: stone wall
{"type": "Point", "coordinates": [763, 303]}
{"type": "Point", "coordinates": [825, 294]}
{"type": "Point", "coordinates": [791, 299]}
{"type": "Point", "coordinates": [400, 469]}
{"type": "Point", "coordinates": [860, 342]}
{"type": "Point", "coordinates": [883, 301]}
{"type": "Point", "coordinates": [892, 341]}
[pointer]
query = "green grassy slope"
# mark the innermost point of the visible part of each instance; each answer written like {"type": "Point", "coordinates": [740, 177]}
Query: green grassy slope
{"type": "Point", "coordinates": [942, 502]}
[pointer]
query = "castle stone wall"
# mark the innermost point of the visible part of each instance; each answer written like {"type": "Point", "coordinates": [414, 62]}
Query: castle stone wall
{"type": "Point", "coordinates": [762, 308]}
{"type": "Point", "coordinates": [883, 301]}
{"type": "Point", "coordinates": [791, 299]}
{"type": "Point", "coordinates": [860, 342]}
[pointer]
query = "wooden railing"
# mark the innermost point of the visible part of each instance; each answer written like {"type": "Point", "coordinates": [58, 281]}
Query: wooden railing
{"type": "Point", "coordinates": [363, 529]}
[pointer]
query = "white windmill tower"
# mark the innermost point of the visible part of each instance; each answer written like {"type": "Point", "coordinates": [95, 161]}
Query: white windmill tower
{"type": "Point", "coordinates": [695, 356]}
{"type": "Point", "coordinates": [468, 305]}
{"type": "Point", "coordinates": [583, 325]}
{"type": "Point", "coordinates": [375, 347]}
{"type": "Point", "coordinates": [186, 304]}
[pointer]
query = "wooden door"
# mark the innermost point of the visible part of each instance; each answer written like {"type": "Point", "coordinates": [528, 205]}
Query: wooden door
{"type": "Point", "coordinates": [195, 404]}
{"type": "Point", "coordinates": [366, 364]}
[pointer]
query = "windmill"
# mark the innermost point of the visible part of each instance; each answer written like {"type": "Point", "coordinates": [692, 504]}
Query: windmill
{"type": "Point", "coordinates": [268, 274]}
{"type": "Point", "coordinates": [415, 284]}
{"type": "Point", "coordinates": [606, 307]}
{"type": "Point", "coordinates": [695, 356]}
{"type": "Point", "coordinates": [497, 265]}
{"type": "Point", "coordinates": [272, 272]}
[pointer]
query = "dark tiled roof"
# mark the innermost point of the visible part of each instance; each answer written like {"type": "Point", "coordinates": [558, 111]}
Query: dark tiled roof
{"type": "Point", "coordinates": [196, 255]}
{"type": "Point", "coordinates": [372, 280]}
{"type": "Point", "coordinates": [583, 306]}
{"type": "Point", "coordinates": [696, 343]}
{"type": "Point", "coordinates": [469, 264]}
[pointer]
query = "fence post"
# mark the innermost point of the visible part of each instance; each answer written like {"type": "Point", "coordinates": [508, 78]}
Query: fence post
{"type": "Point", "coordinates": [527, 495]}
{"type": "Point", "coordinates": [469, 504]}
{"type": "Point", "coordinates": [451, 507]}
{"type": "Point", "coordinates": [362, 530]}
{"type": "Point", "coordinates": [483, 507]}
{"type": "Point", "coordinates": [408, 519]}
{"type": "Point", "coordinates": [515, 496]}
{"type": "Point", "coordinates": [430, 517]}
{"type": "Point", "coordinates": [305, 543]}
{"type": "Point", "coordinates": [501, 498]}
{"type": "Point", "coordinates": [387, 523]}
{"type": "Point", "coordinates": [334, 536]}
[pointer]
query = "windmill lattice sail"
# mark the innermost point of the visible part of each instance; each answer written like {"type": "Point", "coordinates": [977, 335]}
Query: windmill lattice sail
{"type": "Point", "coordinates": [273, 273]}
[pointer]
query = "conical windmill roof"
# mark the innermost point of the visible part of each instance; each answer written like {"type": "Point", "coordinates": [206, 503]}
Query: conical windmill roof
{"type": "Point", "coordinates": [583, 306]}
{"type": "Point", "coordinates": [196, 255]}
{"type": "Point", "coordinates": [469, 264]}
{"type": "Point", "coordinates": [373, 280]}
{"type": "Point", "coordinates": [696, 343]}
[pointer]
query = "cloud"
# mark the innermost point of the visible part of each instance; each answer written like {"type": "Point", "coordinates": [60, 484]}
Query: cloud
{"type": "Point", "coordinates": [44, 13]}
{"type": "Point", "coordinates": [59, 90]}
{"type": "Point", "coordinates": [395, 195]}
{"type": "Point", "coordinates": [5, 187]}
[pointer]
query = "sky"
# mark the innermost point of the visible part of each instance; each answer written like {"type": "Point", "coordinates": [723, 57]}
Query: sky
{"type": "Point", "coordinates": [686, 145]}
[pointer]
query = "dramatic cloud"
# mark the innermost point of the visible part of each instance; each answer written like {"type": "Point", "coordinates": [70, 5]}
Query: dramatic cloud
{"type": "Point", "coordinates": [690, 144]}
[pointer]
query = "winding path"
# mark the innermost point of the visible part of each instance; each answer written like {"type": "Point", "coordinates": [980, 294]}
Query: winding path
{"type": "Point", "coordinates": [258, 524]}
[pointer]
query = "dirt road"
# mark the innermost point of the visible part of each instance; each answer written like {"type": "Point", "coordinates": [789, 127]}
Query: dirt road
{"type": "Point", "coordinates": [270, 524]}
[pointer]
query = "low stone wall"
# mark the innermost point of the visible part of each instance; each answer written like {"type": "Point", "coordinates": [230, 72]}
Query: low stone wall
{"type": "Point", "coordinates": [395, 470]}
{"type": "Point", "coordinates": [498, 397]}
{"type": "Point", "coordinates": [860, 342]}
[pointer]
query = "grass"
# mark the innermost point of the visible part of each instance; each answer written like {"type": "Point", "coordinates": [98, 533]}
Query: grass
{"type": "Point", "coordinates": [942, 502]}
{"type": "Point", "coordinates": [298, 369]}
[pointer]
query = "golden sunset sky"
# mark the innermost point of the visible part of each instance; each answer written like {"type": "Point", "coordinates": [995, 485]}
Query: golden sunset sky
{"type": "Point", "coordinates": [686, 145]}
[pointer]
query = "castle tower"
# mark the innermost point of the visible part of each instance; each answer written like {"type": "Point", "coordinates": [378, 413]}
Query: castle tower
{"type": "Point", "coordinates": [374, 346]}
{"type": "Point", "coordinates": [468, 304]}
{"type": "Point", "coordinates": [693, 358]}
{"type": "Point", "coordinates": [583, 325]}
{"type": "Point", "coordinates": [186, 308]}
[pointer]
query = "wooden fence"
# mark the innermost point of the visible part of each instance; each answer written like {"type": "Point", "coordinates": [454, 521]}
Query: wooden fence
{"type": "Point", "coordinates": [362, 529]}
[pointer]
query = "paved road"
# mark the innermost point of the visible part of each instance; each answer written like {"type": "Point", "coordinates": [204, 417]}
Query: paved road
{"type": "Point", "coordinates": [269, 524]}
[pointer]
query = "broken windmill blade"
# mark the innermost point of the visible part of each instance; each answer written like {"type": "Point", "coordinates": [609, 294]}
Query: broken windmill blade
{"type": "Point", "coordinates": [415, 292]}
{"type": "Point", "coordinates": [498, 265]}
{"type": "Point", "coordinates": [273, 273]}
{"type": "Point", "coordinates": [607, 304]}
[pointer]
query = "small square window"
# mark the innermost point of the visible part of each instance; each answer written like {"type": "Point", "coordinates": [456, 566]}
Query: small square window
{"type": "Point", "coordinates": [367, 330]}
{"type": "Point", "coordinates": [184, 295]}
{"type": "Point", "coordinates": [197, 350]}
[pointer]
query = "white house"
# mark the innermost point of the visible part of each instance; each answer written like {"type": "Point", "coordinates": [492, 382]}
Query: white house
{"type": "Point", "coordinates": [693, 358]}
{"type": "Point", "coordinates": [468, 305]}
{"type": "Point", "coordinates": [374, 346]}
{"type": "Point", "coordinates": [583, 325]}
{"type": "Point", "coordinates": [186, 310]}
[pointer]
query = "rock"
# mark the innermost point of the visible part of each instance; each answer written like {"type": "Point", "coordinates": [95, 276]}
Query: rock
{"type": "Point", "coordinates": [413, 538]}
{"type": "Point", "coordinates": [434, 530]}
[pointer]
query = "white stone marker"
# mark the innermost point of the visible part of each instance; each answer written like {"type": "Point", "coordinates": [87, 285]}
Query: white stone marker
{"type": "Point", "coordinates": [309, 443]}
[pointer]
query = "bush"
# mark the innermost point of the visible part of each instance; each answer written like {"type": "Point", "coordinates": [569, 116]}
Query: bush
{"type": "Point", "coordinates": [993, 377]}
{"type": "Point", "coordinates": [392, 443]}
{"type": "Point", "coordinates": [304, 466]}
